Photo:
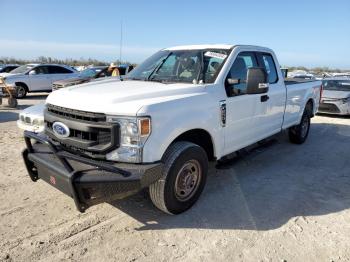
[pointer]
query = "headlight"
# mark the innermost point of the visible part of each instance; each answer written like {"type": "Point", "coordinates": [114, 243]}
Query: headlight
{"type": "Point", "coordinates": [38, 122]}
{"type": "Point", "coordinates": [346, 100]}
{"type": "Point", "coordinates": [134, 132]}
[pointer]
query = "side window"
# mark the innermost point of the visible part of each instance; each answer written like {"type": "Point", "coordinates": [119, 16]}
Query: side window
{"type": "Point", "coordinates": [41, 70]}
{"type": "Point", "coordinates": [239, 71]}
{"type": "Point", "coordinates": [105, 72]}
{"type": "Point", "coordinates": [266, 60]}
{"type": "Point", "coordinates": [58, 70]}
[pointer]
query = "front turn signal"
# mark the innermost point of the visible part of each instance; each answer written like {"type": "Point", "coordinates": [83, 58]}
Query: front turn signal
{"type": "Point", "coordinates": [145, 126]}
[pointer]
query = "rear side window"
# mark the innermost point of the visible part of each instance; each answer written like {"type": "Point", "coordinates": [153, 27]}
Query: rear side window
{"type": "Point", "coordinates": [59, 70]}
{"type": "Point", "coordinates": [239, 71]}
{"type": "Point", "coordinates": [266, 60]}
{"type": "Point", "coordinates": [41, 70]}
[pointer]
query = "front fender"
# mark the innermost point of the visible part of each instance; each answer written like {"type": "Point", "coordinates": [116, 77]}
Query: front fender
{"type": "Point", "coordinates": [173, 118]}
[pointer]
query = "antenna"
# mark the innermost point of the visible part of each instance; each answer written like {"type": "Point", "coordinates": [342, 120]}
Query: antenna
{"type": "Point", "coordinates": [121, 41]}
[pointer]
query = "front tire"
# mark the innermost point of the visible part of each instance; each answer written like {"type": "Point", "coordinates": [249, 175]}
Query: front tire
{"type": "Point", "coordinates": [299, 133]}
{"type": "Point", "coordinates": [183, 180]}
{"type": "Point", "coordinates": [21, 91]}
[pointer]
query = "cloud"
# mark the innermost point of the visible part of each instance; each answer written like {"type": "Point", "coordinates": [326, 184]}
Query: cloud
{"type": "Point", "coordinates": [29, 49]}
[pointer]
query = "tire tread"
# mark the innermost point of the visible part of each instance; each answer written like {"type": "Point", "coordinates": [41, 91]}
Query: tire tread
{"type": "Point", "coordinates": [156, 190]}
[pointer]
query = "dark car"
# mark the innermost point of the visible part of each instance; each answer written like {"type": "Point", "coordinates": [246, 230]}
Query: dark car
{"type": "Point", "coordinates": [92, 73]}
{"type": "Point", "coordinates": [7, 68]}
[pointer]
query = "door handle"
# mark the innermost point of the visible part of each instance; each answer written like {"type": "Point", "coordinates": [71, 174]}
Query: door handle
{"type": "Point", "coordinates": [264, 98]}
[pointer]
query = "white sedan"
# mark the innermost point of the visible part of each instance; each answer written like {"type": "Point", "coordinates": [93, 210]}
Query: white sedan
{"type": "Point", "coordinates": [336, 96]}
{"type": "Point", "coordinates": [37, 77]}
{"type": "Point", "coordinates": [32, 118]}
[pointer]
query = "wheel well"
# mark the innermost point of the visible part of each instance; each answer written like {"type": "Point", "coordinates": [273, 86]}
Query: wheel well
{"type": "Point", "coordinates": [22, 84]}
{"type": "Point", "coordinates": [199, 137]}
{"type": "Point", "coordinates": [310, 105]}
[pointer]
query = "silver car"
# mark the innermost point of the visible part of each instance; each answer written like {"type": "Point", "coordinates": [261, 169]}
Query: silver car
{"type": "Point", "coordinates": [336, 96]}
{"type": "Point", "coordinates": [36, 77]}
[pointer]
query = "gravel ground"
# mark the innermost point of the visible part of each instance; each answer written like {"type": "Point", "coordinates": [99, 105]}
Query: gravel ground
{"type": "Point", "coordinates": [275, 202]}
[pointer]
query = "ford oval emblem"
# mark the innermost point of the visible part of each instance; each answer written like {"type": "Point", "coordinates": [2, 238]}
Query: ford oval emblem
{"type": "Point", "coordinates": [60, 130]}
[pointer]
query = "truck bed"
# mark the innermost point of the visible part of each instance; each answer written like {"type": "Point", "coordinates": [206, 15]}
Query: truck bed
{"type": "Point", "coordinates": [292, 81]}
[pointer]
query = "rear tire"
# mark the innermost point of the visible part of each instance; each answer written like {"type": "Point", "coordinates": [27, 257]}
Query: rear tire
{"type": "Point", "coordinates": [21, 91]}
{"type": "Point", "coordinates": [183, 180]}
{"type": "Point", "coordinates": [299, 133]}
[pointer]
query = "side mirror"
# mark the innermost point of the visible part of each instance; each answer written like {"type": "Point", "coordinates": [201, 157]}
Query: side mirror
{"type": "Point", "coordinates": [32, 72]}
{"type": "Point", "coordinates": [257, 81]}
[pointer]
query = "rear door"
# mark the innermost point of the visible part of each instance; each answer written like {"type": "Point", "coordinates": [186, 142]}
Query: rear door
{"type": "Point", "coordinates": [240, 129]}
{"type": "Point", "coordinates": [60, 73]}
{"type": "Point", "coordinates": [40, 81]}
{"type": "Point", "coordinates": [270, 108]}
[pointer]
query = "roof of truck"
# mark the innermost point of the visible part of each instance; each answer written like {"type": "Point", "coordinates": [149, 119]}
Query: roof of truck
{"type": "Point", "coordinates": [216, 46]}
{"type": "Point", "coordinates": [196, 47]}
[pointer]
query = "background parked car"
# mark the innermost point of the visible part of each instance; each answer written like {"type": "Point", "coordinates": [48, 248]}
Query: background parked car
{"type": "Point", "coordinates": [92, 73]}
{"type": "Point", "coordinates": [83, 76]}
{"type": "Point", "coordinates": [32, 118]}
{"type": "Point", "coordinates": [336, 96]}
{"type": "Point", "coordinates": [37, 77]}
{"type": "Point", "coordinates": [7, 68]}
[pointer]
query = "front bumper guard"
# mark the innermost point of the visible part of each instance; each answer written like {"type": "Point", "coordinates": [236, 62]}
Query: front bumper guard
{"type": "Point", "coordinates": [87, 181]}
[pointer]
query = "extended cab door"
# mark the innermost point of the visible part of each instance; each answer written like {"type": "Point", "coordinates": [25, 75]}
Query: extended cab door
{"type": "Point", "coordinates": [240, 107]}
{"type": "Point", "coordinates": [270, 109]}
{"type": "Point", "coordinates": [39, 79]}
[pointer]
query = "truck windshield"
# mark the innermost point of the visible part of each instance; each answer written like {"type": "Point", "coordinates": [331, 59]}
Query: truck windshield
{"type": "Point", "coordinates": [188, 66]}
{"type": "Point", "coordinates": [90, 72]}
{"type": "Point", "coordinates": [22, 69]}
{"type": "Point", "coordinates": [337, 85]}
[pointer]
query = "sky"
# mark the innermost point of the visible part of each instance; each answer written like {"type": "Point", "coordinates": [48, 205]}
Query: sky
{"type": "Point", "coordinates": [302, 33]}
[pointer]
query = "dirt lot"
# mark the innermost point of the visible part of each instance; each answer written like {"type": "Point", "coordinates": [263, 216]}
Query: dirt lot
{"type": "Point", "coordinates": [276, 202]}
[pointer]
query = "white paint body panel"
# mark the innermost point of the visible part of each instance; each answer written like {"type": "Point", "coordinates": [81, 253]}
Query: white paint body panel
{"type": "Point", "coordinates": [177, 108]}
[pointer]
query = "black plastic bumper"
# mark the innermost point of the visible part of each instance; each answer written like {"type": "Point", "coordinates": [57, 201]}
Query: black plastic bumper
{"type": "Point", "coordinates": [87, 181]}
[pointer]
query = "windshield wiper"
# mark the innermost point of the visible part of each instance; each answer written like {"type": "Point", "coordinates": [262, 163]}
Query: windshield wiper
{"type": "Point", "coordinates": [133, 78]}
{"type": "Point", "coordinates": [155, 70]}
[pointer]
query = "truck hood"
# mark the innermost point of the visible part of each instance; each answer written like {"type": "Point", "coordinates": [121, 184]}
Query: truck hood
{"type": "Point", "coordinates": [120, 97]}
{"type": "Point", "coordinates": [335, 94]}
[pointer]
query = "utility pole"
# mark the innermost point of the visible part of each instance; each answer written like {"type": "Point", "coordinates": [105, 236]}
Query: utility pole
{"type": "Point", "coordinates": [121, 41]}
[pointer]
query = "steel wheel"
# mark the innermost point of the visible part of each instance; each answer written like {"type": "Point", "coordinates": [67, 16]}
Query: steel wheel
{"type": "Point", "coordinates": [188, 180]}
{"type": "Point", "coordinates": [21, 91]}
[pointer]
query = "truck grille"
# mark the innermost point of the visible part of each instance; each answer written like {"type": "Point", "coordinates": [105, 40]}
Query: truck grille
{"type": "Point", "coordinates": [88, 132]}
{"type": "Point", "coordinates": [76, 114]}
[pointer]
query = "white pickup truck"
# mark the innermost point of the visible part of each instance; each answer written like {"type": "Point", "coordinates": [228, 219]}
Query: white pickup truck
{"type": "Point", "coordinates": [159, 127]}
